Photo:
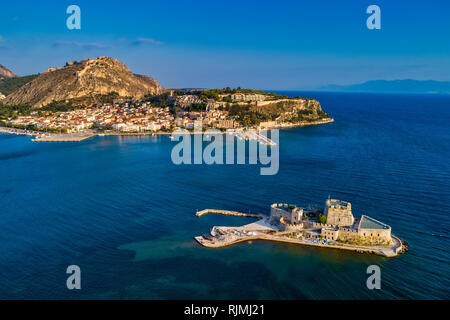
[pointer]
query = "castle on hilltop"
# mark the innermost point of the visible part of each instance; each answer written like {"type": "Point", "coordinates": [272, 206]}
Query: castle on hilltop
{"type": "Point", "coordinates": [340, 224]}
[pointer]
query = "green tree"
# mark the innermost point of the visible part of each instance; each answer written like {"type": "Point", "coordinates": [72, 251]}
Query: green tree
{"type": "Point", "coordinates": [322, 219]}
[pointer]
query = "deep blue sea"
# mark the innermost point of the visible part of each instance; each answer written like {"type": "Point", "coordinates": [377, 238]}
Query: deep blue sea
{"type": "Point", "coordinates": [122, 211]}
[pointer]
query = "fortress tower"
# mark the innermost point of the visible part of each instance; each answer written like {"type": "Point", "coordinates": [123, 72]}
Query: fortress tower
{"type": "Point", "coordinates": [338, 212]}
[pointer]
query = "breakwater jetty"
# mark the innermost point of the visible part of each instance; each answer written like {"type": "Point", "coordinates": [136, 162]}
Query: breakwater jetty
{"type": "Point", "coordinates": [49, 137]}
{"type": "Point", "coordinates": [252, 135]}
{"type": "Point", "coordinates": [228, 213]}
{"type": "Point", "coordinates": [64, 137]}
{"type": "Point", "coordinates": [20, 132]}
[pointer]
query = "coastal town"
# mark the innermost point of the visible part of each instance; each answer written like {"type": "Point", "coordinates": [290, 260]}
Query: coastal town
{"type": "Point", "coordinates": [101, 96]}
{"type": "Point", "coordinates": [130, 116]}
{"type": "Point", "coordinates": [333, 227]}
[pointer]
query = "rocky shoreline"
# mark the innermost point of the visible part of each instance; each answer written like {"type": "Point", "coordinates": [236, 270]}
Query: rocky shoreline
{"type": "Point", "coordinates": [286, 125]}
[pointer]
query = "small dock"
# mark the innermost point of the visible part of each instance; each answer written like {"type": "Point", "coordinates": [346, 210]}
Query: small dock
{"type": "Point", "coordinates": [229, 213]}
{"type": "Point", "coordinates": [253, 135]}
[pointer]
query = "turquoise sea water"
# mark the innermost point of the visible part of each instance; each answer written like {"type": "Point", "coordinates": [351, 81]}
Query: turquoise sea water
{"type": "Point", "coordinates": [120, 209]}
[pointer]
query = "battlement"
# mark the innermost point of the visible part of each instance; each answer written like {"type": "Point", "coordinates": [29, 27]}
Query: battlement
{"type": "Point", "coordinates": [338, 212]}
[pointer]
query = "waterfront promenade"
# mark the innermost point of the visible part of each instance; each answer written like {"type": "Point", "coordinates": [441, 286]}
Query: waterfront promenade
{"type": "Point", "coordinates": [64, 137]}
{"type": "Point", "coordinates": [20, 132]}
{"type": "Point", "coordinates": [50, 137]}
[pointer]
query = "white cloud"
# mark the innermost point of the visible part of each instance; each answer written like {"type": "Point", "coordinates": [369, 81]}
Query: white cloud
{"type": "Point", "coordinates": [90, 45]}
{"type": "Point", "coordinates": [142, 41]}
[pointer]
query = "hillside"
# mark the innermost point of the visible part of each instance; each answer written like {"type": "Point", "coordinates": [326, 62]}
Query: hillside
{"type": "Point", "coordinates": [9, 85]}
{"type": "Point", "coordinates": [245, 106]}
{"type": "Point", "coordinates": [86, 82]}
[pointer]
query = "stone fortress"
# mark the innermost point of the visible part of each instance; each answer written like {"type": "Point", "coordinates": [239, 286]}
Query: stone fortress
{"type": "Point", "coordinates": [338, 212]}
{"type": "Point", "coordinates": [333, 227]}
{"type": "Point", "coordinates": [340, 226]}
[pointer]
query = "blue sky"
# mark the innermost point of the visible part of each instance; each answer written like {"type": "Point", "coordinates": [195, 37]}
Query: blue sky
{"type": "Point", "coordinates": [255, 44]}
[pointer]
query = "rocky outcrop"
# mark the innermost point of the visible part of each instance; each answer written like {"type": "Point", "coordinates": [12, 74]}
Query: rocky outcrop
{"type": "Point", "coordinates": [5, 73]}
{"type": "Point", "coordinates": [84, 81]}
{"type": "Point", "coordinates": [292, 110]}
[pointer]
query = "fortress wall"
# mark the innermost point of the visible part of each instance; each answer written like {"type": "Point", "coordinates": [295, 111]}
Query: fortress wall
{"type": "Point", "coordinates": [381, 234]}
{"type": "Point", "coordinates": [284, 226]}
{"type": "Point", "coordinates": [365, 235]}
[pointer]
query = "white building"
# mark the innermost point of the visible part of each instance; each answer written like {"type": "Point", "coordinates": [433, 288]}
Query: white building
{"type": "Point", "coordinates": [151, 127]}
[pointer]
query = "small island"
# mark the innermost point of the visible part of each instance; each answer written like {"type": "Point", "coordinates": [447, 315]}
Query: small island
{"type": "Point", "coordinates": [333, 227]}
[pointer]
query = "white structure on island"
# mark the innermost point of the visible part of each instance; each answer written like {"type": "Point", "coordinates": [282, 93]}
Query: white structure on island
{"type": "Point", "coordinates": [338, 212]}
{"type": "Point", "coordinates": [340, 226]}
{"type": "Point", "coordinates": [289, 217]}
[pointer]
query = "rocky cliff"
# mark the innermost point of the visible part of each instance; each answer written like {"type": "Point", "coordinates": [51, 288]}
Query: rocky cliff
{"type": "Point", "coordinates": [292, 110]}
{"type": "Point", "coordinates": [84, 81]}
{"type": "Point", "coordinates": [5, 73]}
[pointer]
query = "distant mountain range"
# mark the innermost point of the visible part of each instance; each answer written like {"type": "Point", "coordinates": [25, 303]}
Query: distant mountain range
{"type": "Point", "coordinates": [393, 86]}
{"type": "Point", "coordinates": [5, 73]}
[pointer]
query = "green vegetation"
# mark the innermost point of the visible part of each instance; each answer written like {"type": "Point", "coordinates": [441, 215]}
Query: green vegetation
{"type": "Point", "coordinates": [29, 127]}
{"type": "Point", "coordinates": [75, 104]}
{"type": "Point", "coordinates": [101, 128]}
{"type": "Point", "coordinates": [214, 93]}
{"type": "Point", "coordinates": [309, 115]}
{"type": "Point", "coordinates": [246, 116]}
{"type": "Point", "coordinates": [59, 106]}
{"type": "Point", "coordinates": [13, 112]}
{"type": "Point", "coordinates": [196, 107]}
{"type": "Point", "coordinates": [104, 98]}
{"type": "Point", "coordinates": [160, 101]}
{"type": "Point", "coordinates": [322, 114]}
{"type": "Point", "coordinates": [322, 219]}
{"type": "Point", "coordinates": [359, 241]}
{"type": "Point", "coordinates": [9, 85]}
